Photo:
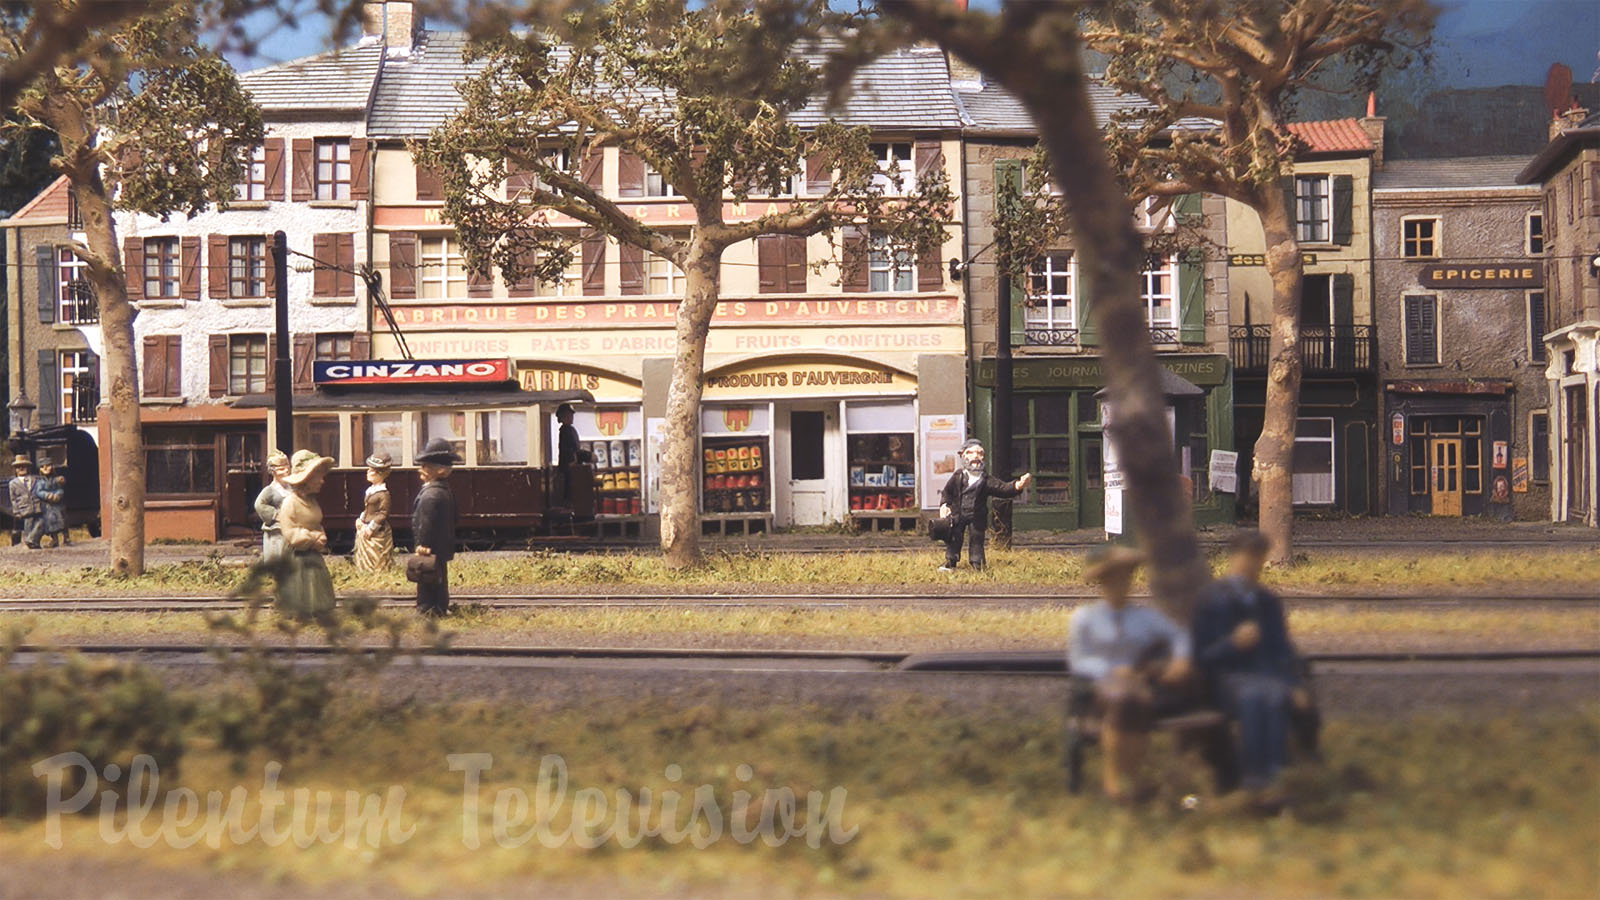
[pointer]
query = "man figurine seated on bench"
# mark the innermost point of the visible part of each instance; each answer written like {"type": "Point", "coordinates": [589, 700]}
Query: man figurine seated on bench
{"type": "Point", "coordinates": [1137, 660]}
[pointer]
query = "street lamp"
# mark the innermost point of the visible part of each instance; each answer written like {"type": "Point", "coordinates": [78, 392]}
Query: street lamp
{"type": "Point", "coordinates": [21, 411]}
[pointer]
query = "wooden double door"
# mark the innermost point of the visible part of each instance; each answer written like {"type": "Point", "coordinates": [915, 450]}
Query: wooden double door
{"type": "Point", "coordinates": [1444, 471]}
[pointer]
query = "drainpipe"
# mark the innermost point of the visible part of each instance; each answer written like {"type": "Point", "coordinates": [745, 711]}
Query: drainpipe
{"type": "Point", "coordinates": [282, 374]}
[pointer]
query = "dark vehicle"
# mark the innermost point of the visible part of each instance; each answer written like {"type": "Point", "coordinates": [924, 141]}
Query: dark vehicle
{"type": "Point", "coordinates": [75, 454]}
{"type": "Point", "coordinates": [503, 494]}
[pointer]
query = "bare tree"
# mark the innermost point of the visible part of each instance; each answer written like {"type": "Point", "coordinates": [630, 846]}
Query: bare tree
{"type": "Point", "coordinates": [704, 97]}
{"type": "Point", "coordinates": [150, 119]}
{"type": "Point", "coordinates": [1240, 64]}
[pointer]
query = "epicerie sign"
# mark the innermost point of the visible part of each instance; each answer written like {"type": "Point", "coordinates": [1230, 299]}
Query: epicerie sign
{"type": "Point", "coordinates": [410, 371]}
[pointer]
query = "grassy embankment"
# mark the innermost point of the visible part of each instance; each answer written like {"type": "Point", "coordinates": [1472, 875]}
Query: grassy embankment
{"type": "Point", "coordinates": [947, 803]}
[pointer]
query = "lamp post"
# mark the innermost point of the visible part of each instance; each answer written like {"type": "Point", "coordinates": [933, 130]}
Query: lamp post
{"type": "Point", "coordinates": [21, 413]}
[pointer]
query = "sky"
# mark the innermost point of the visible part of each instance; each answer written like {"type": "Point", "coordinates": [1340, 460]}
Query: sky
{"type": "Point", "coordinates": [1478, 43]}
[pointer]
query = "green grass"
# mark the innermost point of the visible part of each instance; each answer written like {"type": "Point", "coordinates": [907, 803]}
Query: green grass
{"type": "Point", "coordinates": [948, 802]}
{"type": "Point", "coordinates": [1557, 568]}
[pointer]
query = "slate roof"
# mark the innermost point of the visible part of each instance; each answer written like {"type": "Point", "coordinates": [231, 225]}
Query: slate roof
{"type": "Point", "coordinates": [1442, 174]}
{"type": "Point", "coordinates": [992, 110]}
{"type": "Point", "coordinates": [337, 80]}
{"type": "Point", "coordinates": [907, 90]}
{"type": "Point", "coordinates": [1333, 136]}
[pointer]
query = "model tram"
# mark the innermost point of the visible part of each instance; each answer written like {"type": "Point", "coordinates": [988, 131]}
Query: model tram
{"type": "Point", "coordinates": [504, 496]}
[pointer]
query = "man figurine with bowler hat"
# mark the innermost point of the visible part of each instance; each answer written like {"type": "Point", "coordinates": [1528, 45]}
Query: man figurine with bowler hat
{"type": "Point", "coordinates": [433, 523]}
{"type": "Point", "coordinates": [965, 500]}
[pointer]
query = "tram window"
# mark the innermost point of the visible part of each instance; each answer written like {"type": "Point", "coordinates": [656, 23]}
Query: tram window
{"type": "Point", "coordinates": [502, 438]}
{"type": "Point", "coordinates": [450, 425]}
{"type": "Point", "coordinates": [317, 433]}
{"type": "Point", "coordinates": [377, 433]}
{"type": "Point", "coordinates": [180, 461]}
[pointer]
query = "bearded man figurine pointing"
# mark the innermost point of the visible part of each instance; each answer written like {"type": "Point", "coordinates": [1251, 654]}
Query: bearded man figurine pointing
{"type": "Point", "coordinates": [965, 500]}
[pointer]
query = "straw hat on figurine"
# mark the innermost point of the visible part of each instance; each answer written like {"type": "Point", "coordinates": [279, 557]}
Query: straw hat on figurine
{"type": "Point", "coordinates": [1112, 562]}
{"type": "Point", "coordinates": [380, 461]}
{"type": "Point", "coordinates": [303, 464]}
{"type": "Point", "coordinates": [21, 462]}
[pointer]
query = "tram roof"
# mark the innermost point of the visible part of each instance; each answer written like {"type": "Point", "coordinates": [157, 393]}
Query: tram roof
{"type": "Point", "coordinates": [362, 399]}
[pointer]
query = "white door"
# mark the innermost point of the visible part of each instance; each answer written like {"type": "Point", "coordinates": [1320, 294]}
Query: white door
{"type": "Point", "coordinates": [813, 467]}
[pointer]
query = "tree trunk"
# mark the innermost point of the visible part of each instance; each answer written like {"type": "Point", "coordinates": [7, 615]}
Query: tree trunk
{"type": "Point", "coordinates": [680, 463]}
{"type": "Point", "coordinates": [119, 379]}
{"type": "Point", "coordinates": [1274, 450]}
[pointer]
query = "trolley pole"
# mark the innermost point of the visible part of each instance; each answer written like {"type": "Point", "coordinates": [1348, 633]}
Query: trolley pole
{"type": "Point", "coordinates": [282, 377]}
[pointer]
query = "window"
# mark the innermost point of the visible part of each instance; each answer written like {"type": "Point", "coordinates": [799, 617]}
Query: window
{"type": "Point", "coordinates": [247, 267]}
{"type": "Point", "coordinates": [502, 438]}
{"type": "Point", "coordinates": [1313, 208]}
{"type": "Point", "coordinates": [332, 174]}
{"type": "Point", "coordinates": [247, 364]}
{"type": "Point", "coordinates": [1312, 479]}
{"type": "Point", "coordinates": [161, 268]}
{"type": "Point", "coordinates": [662, 277]}
{"type": "Point", "coordinates": [1419, 238]}
{"type": "Point", "coordinates": [1539, 446]}
{"type": "Point", "coordinates": [335, 345]}
{"type": "Point", "coordinates": [1153, 214]}
{"type": "Point", "coordinates": [442, 270]}
{"type": "Point", "coordinates": [252, 183]}
{"type": "Point", "coordinates": [888, 266]}
{"type": "Point", "coordinates": [180, 461]}
{"type": "Point", "coordinates": [570, 284]}
{"type": "Point", "coordinates": [1422, 330]}
{"type": "Point", "coordinates": [74, 214]}
{"type": "Point", "coordinates": [1536, 326]}
{"type": "Point", "coordinates": [894, 164]}
{"type": "Point", "coordinates": [378, 433]}
{"type": "Point", "coordinates": [1042, 444]}
{"type": "Point", "coordinates": [1535, 239]}
{"type": "Point", "coordinates": [519, 181]}
{"type": "Point", "coordinates": [74, 295]}
{"type": "Point", "coordinates": [450, 425]}
{"type": "Point", "coordinates": [1159, 288]}
{"type": "Point", "coordinates": [1050, 293]}
{"type": "Point", "coordinates": [319, 434]}
{"type": "Point", "coordinates": [655, 185]}
{"type": "Point", "coordinates": [1467, 430]}
{"type": "Point", "coordinates": [80, 387]}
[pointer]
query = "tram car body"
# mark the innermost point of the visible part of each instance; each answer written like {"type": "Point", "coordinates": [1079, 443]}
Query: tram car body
{"type": "Point", "coordinates": [503, 495]}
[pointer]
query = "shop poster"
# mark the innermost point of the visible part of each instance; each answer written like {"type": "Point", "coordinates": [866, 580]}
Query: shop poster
{"type": "Point", "coordinates": [942, 437]}
{"type": "Point", "coordinates": [1224, 471]}
{"type": "Point", "coordinates": [655, 430]}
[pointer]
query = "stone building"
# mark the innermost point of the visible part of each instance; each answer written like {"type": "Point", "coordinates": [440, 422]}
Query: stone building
{"type": "Point", "coordinates": [1460, 308]}
{"type": "Point", "coordinates": [1568, 172]}
{"type": "Point", "coordinates": [1056, 417]}
{"type": "Point", "coordinates": [1330, 192]}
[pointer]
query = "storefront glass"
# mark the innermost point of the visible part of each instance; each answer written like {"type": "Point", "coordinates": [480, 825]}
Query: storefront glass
{"type": "Point", "coordinates": [881, 454]}
{"type": "Point", "coordinates": [736, 449]}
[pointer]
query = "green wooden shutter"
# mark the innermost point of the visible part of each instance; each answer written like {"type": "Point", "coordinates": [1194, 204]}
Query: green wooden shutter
{"type": "Point", "coordinates": [1009, 171]}
{"type": "Point", "coordinates": [1343, 211]}
{"type": "Point", "coordinates": [45, 257]}
{"type": "Point", "coordinates": [1192, 298]}
{"type": "Point", "coordinates": [1186, 208]}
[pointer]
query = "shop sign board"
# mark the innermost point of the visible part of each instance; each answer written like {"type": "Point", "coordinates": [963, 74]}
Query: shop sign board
{"type": "Point", "coordinates": [627, 346]}
{"type": "Point", "coordinates": [409, 372]}
{"type": "Point", "coordinates": [1199, 369]}
{"type": "Point", "coordinates": [542, 376]}
{"type": "Point", "coordinates": [578, 312]}
{"type": "Point", "coordinates": [942, 437]}
{"type": "Point", "coordinates": [807, 379]}
{"type": "Point", "coordinates": [1486, 275]}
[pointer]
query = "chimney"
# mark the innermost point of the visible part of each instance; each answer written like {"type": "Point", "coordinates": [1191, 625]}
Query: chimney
{"type": "Point", "coordinates": [395, 21]}
{"type": "Point", "coordinates": [1567, 120]}
{"type": "Point", "coordinates": [963, 77]}
{"type": "Point", "coordinates": [1372, 124]}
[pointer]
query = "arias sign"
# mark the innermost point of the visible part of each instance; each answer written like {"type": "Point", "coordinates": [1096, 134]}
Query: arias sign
{"type": "Point", "coordinates": [410, 371]}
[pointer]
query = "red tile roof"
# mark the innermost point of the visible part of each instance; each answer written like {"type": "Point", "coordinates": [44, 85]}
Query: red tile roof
{"type": "Point", "coordinates": [1333, 136]}
{"type": "Point", "coordinates": [50, 203]}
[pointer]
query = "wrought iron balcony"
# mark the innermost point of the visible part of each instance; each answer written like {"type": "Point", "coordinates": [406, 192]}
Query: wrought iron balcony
{"type": "Point", "coordinates": [85, 399]}
{"type": "Point", "coordinates": [79, 306]}
{"type": "Point", "coordinates": [1050, 337]}
{"type": "Point", "coordinates": [1324, 349]}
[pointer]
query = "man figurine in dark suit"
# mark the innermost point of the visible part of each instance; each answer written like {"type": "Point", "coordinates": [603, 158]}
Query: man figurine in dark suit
{"type": "Point", "coordinates": [433, 523]}
{"type": "Point", "coordinates": [965, 500]}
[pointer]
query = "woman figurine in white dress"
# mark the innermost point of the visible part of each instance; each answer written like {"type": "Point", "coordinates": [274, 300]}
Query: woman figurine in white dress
{"type": "Point", "coordinates": [374, 537]}
{"type": "Point", "coordinates": [268, 502]}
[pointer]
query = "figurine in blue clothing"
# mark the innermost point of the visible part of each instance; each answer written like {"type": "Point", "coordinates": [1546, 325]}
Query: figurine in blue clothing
{"type": "Point", "coordinates": [1242, 650]}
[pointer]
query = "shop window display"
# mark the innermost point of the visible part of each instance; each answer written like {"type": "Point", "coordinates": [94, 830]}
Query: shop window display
{"type": "Point", "coordinates": [735, 475]}
{"type": "Point", "coordinates": [618, 475]}
{"type": "Point", "coordinates": [883, 474]}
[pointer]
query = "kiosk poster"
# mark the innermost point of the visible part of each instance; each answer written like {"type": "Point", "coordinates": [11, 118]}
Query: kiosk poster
{"type": "Point", "coordinates": [1224, 471]}
{"type": "Point", "coordinates": [942, 437]}
{"type": "Point", "coordinates": [655, 430]}
{"type": "Point", "coordinates": [1519, 474]}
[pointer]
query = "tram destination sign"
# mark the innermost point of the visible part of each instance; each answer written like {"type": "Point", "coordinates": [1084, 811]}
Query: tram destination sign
{"type": "Point", "coordinates": [410, 371]}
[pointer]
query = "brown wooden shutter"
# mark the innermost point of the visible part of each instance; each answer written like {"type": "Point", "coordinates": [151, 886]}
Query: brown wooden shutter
{"type": "Point", "coordinates": [271, 280]}
{"type": "Point", "coordinates": [133, 267]}
{"type": "Point", "coordinates": [217, 265]}
{"type": "Point", "coordinates": [303, 161]}
{"type": "Point", "coordinates": [630, 175]}
{"type": "Point", "coordinates": [819, 175]}
{"type": "Point", "coordinates": [360, 169]}
{"type": "Point", "coordinates": [594, 265]}
{"type": "Point", "coordinates": [321, 275]}
{"type": "Point", "coordinates": [344, 256]}
{"type": "Point", "coordinates": [219, 364]}
{"type": "Point", "coordinates": [853, 260]}
{"type": "Point", "coordinates": [155, 365]}
{"type": "Point", "coordinates": [1591, 181]}
{"type": "Point", "coordinates": [361, 345]}
{"type": "Point", "coordinates": [592, 172]}
{"type": "Point", "coordinates": [631, 264]}
{"type": "Point", "coordinates": [274, 167]}
{"type": "Point", "coordinates": [429, 186]}
{"type": "Point", "coordinates": [304, 350]}
{"type": "Point", "coordinates": [174, 360]}
{"type": "Point", "coordinates": [928, 157]}
{"type": "Point", "coordinates": [403, 264]}
{"type": "Point", "coordinates": [795, 264]}
{"type": "Point", "coordinates": [272, 362]}
{"type": "Point", "coordinates": [189, 259]}
{"type": "Point", "coordinates": [930, 271]}
{"type": "Point", "coordinates": [770, 268]}
{"type": "Point", "coordinates": [480, 285]}
{"type": "Point", "coordinates": [527, 285]}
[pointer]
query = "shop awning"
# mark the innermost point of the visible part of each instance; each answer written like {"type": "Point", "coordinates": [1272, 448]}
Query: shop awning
{"type": "Point", "coordinates": [362, 399]}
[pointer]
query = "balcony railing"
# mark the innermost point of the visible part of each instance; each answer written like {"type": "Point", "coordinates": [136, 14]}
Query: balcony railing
{"type": "Point", "coordinates": [85, 399]}
{"type": "Point", "coordinates": [1050, 337]}
{"type": "Point", "coordinates": [1323, 348]}
{"type": "Point", "coordinates": [79, 305]}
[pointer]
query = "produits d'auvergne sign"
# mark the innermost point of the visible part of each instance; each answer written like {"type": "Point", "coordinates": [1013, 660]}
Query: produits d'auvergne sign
{"type": "Point", "coordinates": [403, 372]}
{"type": "Point", "coordinates": [1485, 275]}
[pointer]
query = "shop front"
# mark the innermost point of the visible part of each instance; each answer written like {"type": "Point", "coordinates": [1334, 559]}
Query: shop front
{"type": "Point", "coordinates": [1058, 434]}
{"type": "Point", "coordinates": [1448, 448]}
